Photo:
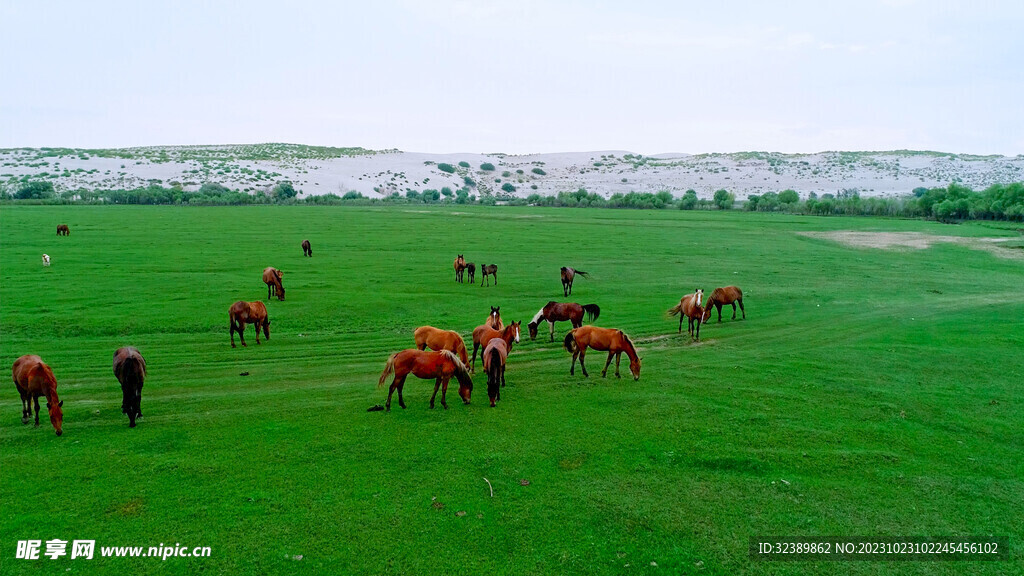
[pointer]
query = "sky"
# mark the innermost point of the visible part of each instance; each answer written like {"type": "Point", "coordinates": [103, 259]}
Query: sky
{"type": "Point", "coordinates": [517, 77]}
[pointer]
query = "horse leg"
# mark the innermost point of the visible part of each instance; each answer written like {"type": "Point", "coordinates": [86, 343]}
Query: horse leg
{"type": "Point", "coordinates": [231, 331]}
{"type": "Point", "coordinates": [502, 380]}
{"type": "Point", "coordinates": [495, 278]}
{"type": "Point", "coordinates": [37, 411]}
{"type": "Point", "coordinates": [734, 310]}
{"type": "Point", "coordinates": [444, 393]}
{"type": "Point", "coordinates": [583, 354]}
{"type": "Point", "coordinates": [718, 306]}
{"type": "Point", "coordinates": [618, 358]}
{"type": "Point", "coordinates": [605, 371]}
{"type": "Point", "coordinates": [741, 308]}
{"type": "Point", "coordinates": [241, 333]}
{"type": "Point", "coordinates": [572, 367]}
{"type": "Point", "coordinates": [697, 337]}
{"type": "Point", "coordinates": [681, 322]}
{"type": "Point", "coordinates": [476, 346]}
{"type": "Point", "coordinates": [437, 385]}
{"type": "Point", "coordinates": [552, 325]}
{"type": "Point", "coordinates": [26, 408]}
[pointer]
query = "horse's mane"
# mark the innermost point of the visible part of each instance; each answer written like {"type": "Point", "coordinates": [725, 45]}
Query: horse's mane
{"type": "Point", "coordinates": [459, 366]}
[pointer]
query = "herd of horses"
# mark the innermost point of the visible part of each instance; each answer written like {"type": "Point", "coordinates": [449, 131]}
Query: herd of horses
{"type": "Point", "coordinates": [447, 357]}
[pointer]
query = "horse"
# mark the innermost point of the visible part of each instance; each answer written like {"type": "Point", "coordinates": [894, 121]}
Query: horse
{"type": "Point", "coordinates": [614, 341]}
{"type": "Point", "coordinates": [46, 259]}
{"type": "Point", "coordinates": [483, 334]}
{"type": "Point", "coordinates": [471, 268]}
{"type": "Point", "coordinates": [441, 366]}
{"type": "Point", "coordinates": [561, 311]}
{"type": "Point", "coordinates": [437, 339]}
{"type": "Point", "coordinates": [272, 278]}
{"type": "Point", "coordinates": [460, 266]}
{"type": "Point", "coordinates": [494, 356]}
{"type": "Point", "coordinates": [33, 379]}
{"type": "Point", "coordinates": [242, 313]}
{"type": "Point", "coordinates": [494, 318]}
{"type": "Point", "coordinates": [130, 370]}
{"type": "Point", "coordinates": [567, 276]}
{"type": "Point", "coordinates": [307, 248]}
{"type": "Point", "coordinates": [62, 230]}
{"type": "Point", "coordinates": [489, 270]}
{"type": "Point", "coordinates": [721, 296]}
{"type": "Point", "coordinates": [689, 307]}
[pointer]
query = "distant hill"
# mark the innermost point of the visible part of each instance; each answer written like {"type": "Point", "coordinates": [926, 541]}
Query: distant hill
{"type": "Point", "coordinates": [321, 170]}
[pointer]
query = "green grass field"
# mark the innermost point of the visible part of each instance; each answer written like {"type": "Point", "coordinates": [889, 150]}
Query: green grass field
{"type": "Point", "coordinates": [868, 393]}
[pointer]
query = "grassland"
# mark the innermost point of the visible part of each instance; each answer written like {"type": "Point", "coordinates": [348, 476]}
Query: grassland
{"type": "Point", "coordinates": [869, 392]}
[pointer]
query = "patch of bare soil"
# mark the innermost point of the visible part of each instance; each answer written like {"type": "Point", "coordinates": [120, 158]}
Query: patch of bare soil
{"type": "Point", "coordinates": [915, 241]}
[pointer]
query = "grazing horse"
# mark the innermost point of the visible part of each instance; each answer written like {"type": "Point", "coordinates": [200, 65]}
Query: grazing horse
{"type": "Point", "coordinates": [242, 313]}
{"type": "Point", "coordinates": [483, 334]}
{"type": "Point", "coordinates": [471, 268]}
{"type": "Point", "coordinates": [62, 230]}
{"type": "Point", "coordinates": [437, 339]}
{"type": "Point", "coordinates": [721, 296]}
{"type": "Point", "coordinates": [494, 318]}
{"type": "Point", "coordinates": [489, 270]}
{"type": "Point", "coordinates": [440, 365]}
{"type": "Point", "coordinates": [614, 341]}
{"type": "Point", "coordinates": [130, 369]}
{"type": "Point", "coordinates": [494, 356]}
{"type": "Point", "coordinates": [460, 267]}
{"type": "Point", "coordinates": [307, 248]}
{"type": "Point", "coordinates": [33, 379]}
{"type": "Point", "coordinates": [46, 259]}
{"type": "Point", "coordinates": [272, 278]}
{"type": "Point", "coordinates": [689, 307]}
{"type": "Point", "coordinates": [561, 311]}
{"type": "Point", "coordinates": [567, 276]}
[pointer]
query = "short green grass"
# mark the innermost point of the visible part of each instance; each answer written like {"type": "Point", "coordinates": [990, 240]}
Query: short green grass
{"type": "Point", "coordinates": [868, 392]}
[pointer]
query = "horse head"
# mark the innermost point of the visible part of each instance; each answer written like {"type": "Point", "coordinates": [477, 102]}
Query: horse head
{"type": "Point", "coordinates": [699, 296]}
{"type": "Point", "coordinates": [634, 367]}
{"type": "Point", "coordinates": [514, 326]}
{"type": "Point", "coordinates": [532, 327]}
{"type": "Point", "coordinates": [495, 311]}
{"type": "Point", "coordinates": [56, 416]}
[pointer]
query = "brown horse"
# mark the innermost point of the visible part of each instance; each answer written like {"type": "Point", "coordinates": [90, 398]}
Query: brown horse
{"type": "Point", "coordinates": [494, 356]}
{"type": "Point", "coordinates": [440, 365]}
{"type": "Point", "coordinates": [489, 270]}
{"type": "Point", "coordinates": [471, 268]}
{"type": "Point", "coordinates": [614, 341]}
{"type": "Point", "coordinates": [561, 311]}
{"type": "Point", "coordinates": [242, 313]}
{"type": "Point", "coordinates": [460, 267]}
{"type": "Point", "coordinates": [307, 248]}
{"type": "Point", "coordinates": [437, 339]}
{"type": "Point", "coordinates": [33, 379]}
{"type": "Point", "coordinates": [130, 369]}
{"type": "Point", "coordinates": [272, 278]}
{"type": "Point", "coordinates": [62, 230]}
{"type": "Point", "coordinates": [483, 334]}
{"type": "Point", "coordinates": [567, 277]}
{"type": "Point", "coordinates": [689, 307]}
{"type": "Point", "coordinates": [494, 319]}
{"type": "Point", "coordinates": [722, 296]}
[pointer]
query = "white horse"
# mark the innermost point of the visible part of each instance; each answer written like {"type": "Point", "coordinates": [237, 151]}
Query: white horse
{"type": "Point", "coordinates": [46, 259]}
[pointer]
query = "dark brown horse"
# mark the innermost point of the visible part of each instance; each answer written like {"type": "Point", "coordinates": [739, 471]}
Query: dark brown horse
{"type": "Point", "coordinates": [483, 334]}
{"type": "Point", "coordinates": [62, 230]}
{"type": "Point", "coordinates": [494, 318]}
{"type": "Point", "coordinates": [722, 296]}
{"type": "Point", "coordinates": [471, 268]}
{"type": "Point", "coordinates": [426, 365]}
{"type": "Point", "coordinates": [614, 341]}
{"type": "Point", "coordinates": [437, 339]}
{"type": "Point", "coordinates": [460, 267]}
{"type": "Point", "coordinates": [307, 248]}
{"type": "Point", "coordinates": [489, 270]}
{"type": "Point", "coordinates": [130, 370]}
{"type": "Point", "coordinates": [242, 313]}
{"type": "Point", "coordinates": [33, 379]}
{"type": "Point", "coordinates": [272, 278]}
{"type": "Point", "coordinates": [494, 356]}
{"type": "Point", "coordinates": [567, 277]}
{"type": "Point", "coordinates": [689, 307]}
{"type": "Point", "coordinates": [560, 312]}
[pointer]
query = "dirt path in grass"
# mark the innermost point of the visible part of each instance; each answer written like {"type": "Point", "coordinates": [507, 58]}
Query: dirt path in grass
{"type": "Point", "coordinates": [918, 241]}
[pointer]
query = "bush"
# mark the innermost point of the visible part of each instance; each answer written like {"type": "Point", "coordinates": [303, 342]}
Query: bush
{"type": "Point", "coordinates": [469, 181]}
{"type": "Point", "coordinates": [508, 187]}
{"type": "Point", "coordinates": [446, 168]}
{"type": "Point", "coordinates": [487, 166]}
{"type": "Point", "coordinates": [283, 191]}
{"type": "Point", "coordinates": [539, 172]}
{"type": "Point", "coordinates": [724, 199]}
{"type": "Point", "coordinates": [789, 197]}
{"type": "Point", "coordinates": [464, 164]}
{"type": "Point", "coordinates": [35, 191]}
{"type": "Point", "coordinates": [688, 201]}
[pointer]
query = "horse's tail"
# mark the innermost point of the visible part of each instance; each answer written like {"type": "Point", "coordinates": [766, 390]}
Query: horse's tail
{"type": "Point", "coordinates": [569, 342]}
{"type": "Point", "coordinates": [675, 310]}
{"type": "Point", "coordinates": [584, 274]}
{"type": "Point", "coordinates": [388, 369]}
{"type": "Point", "coordinates": [494, 367]}
{"type": "Point", "coordinates": [593, 311]}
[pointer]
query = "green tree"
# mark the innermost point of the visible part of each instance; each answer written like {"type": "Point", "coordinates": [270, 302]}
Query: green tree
{"type": "Point", "coordinates": [283, 191]}
{"type": "Point", "coordinates": [724, 199]}
{"type": "Point", "coordinates": [35, 191]}
{"type": "Point", "coordinates": [789, 197]}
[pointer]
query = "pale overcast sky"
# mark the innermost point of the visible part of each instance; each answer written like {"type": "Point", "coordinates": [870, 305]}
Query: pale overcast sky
{"type": "Point", "coordinates": [517, 77]}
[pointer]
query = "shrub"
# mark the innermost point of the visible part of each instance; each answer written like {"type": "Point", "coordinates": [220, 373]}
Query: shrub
{"type": "Point", "coordinates": [508, 187]}
{"type": "Point", "coordinates": [539, 172]}
{"type": "Point", "coordinates": [35, 191]}
{"type": "Point", "coordinates": [464, 164]}
{"type": "Point", "coordinates": [446, 168]}
{"type": "Point", "coordinates": [487, 166]}
{"type": "Point", "coordinates": [283, 191]}
{"type": "Point", "coordinates": [724, 199]}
